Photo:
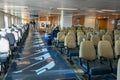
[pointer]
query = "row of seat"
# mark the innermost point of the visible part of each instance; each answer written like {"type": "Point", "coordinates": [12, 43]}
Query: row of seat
{"type": "Point", "coordinates": [93, 50]}
{"type": "Point", "coordinates": [100, 35]}
{"type": "Point", "coordinates": [118, 70]}
{"type": "Point", "coordinates": [87, 31]}
{"type": "Point", "coordinates": [10, 40]}
{"type": "Point", "coordinates": [61, 38]}
{"type": "Point", "coordinates": [100, 64]}
{"type": "Point", "coordinates": [86, 51]}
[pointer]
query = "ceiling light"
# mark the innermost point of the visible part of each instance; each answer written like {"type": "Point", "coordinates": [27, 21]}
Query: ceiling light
{"type": "Point", "coordinates": [99, 11]}
{"type": "Point", "coordinates": [13, 7]}
{"type": "Point", "coordinates": [54, 13]}
{"type": "Point", "coordinates": [67, 8]}
{"type": "Point", "coordinates": [115, 14]}
{"type": "Point", "coordinates": [108, 10]}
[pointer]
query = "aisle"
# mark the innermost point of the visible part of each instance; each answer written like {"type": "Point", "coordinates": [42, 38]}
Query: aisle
{"type": "Point", "coordinates": [36, 61]}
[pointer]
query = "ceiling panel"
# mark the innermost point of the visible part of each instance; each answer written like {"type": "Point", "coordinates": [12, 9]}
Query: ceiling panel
{"type": "Point", "coordinates": [46, 7]}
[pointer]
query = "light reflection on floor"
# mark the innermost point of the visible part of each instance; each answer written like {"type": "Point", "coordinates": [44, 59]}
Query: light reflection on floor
{"type": "Point", "coordinates": [43, 63]}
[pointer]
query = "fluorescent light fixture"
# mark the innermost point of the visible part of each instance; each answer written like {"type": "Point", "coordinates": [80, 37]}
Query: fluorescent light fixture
{"type": "Point", "coordinates": [67, 8]}
{"type": "Point", "coordinates": [54, 13]}
{"type": "Point", "coordinates": [108, 10]}
{"type": "Point", "coordinates": [99, 11]}
{"type": "Point", "coordinates": [115, 14]}
{"type": "Point", "coordinates": [13, 7]}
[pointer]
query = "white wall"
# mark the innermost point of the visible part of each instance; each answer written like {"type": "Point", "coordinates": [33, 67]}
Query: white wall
{"type": "Point", "coordinates": [67, 21]}
{"type": "Point", "coordinates": [2, 24]}
{"type": "Point", "coordinates": [90, 21]}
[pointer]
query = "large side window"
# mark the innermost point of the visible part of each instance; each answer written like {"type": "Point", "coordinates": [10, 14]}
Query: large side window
{"type": "Point", "coordinates": [6, 21]}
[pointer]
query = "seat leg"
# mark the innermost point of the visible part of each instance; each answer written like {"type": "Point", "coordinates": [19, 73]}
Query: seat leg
{"type": "Point", "coordinates": [61, 50]}
{"type": "Point", "coordinates": [70, 59]}
{"type": "Point", "coordinates": [89, 77]}
{"type": "Point", "coordinates": [80, 62]}
{"type": "Point", "coordinates": [0, 68]}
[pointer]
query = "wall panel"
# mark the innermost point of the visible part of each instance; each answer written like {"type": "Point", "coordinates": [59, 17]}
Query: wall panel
{"type": "Point", "coordinates": [78, 19]}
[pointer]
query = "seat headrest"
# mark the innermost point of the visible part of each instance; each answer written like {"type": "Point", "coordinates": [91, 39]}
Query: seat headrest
{"type": "Point", "coordinates": [2, 33]}
{"type": "Point", "coordinates": [8, 31]}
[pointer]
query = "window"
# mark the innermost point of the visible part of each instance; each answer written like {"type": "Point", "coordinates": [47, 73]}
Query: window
{"type": "Point", "coordinates": [6, 21]}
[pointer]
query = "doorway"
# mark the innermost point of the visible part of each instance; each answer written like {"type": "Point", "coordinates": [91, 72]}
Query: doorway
{"type": "Point", "coordinates": [102, 23]}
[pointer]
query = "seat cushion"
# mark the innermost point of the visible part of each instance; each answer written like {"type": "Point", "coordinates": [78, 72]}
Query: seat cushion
{"type": "Point", "coordinates": [96, 68]}
{"type": "Point", "coordinates": [114, 66]}
{"type": "Point", "coordinates": [12, 48]}
{"type": "Point", "coordinates": [73, 52]}
{"type": "Point", "coordinates": [60, 45]}
{"type": "Point", "coordinates": [4, 56]}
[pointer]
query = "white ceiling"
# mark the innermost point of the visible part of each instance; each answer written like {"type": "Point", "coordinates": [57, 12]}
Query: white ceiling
{"type": "Point", "coordinates": [46, 7]}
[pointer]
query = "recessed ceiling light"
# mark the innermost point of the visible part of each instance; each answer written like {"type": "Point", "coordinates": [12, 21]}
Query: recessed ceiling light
{"type": "Point", "coordinates": [67, 8]}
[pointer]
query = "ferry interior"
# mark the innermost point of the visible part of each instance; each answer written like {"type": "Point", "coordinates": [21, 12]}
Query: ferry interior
{"type": "Point", "coordinates": [59, 39]}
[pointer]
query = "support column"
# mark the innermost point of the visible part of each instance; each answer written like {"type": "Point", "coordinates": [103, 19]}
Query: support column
{"type": "Point", "coordinates": [61, 19]}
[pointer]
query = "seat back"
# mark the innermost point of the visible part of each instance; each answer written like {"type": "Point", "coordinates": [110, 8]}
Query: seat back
{"type": "Point", "coordinates": [80, 33]}
{"type": "Point", "coordinates": [108, 38]}
{"type": "Point", "coordinates": [15, 35]}
{"type": "Point", "coordinates": [118, 70]}
{"type": "Point", "coordinates": [48, 30]}
{"type": "Point", "coordinates": [60, 36]}
{"type": "Point", "coordinates": [95, 39]}
{"type": "Point", "coordinates": [116, 37]}
{"type": "Point", "coordinates": [89, 35]}
{"type": "Point", "coordinates": [87, 50]}
{"type": "Point", "coordinates": [101, 33]}
{"type": "Point", "coordinates": [105, 49]}
{"type": "Point", "coordinates": [11, 38]}
{"type": "Point", "coordinates": [110, 33]}
{"type": "Point", "coordinates": [70, 41]}
{"type": "Point", "coordinates": [71, 32]}
{"type": "Point", "coordinates": [79, 30]}
{"type": "Point", "coordinates": [81, 38]}
{"type": "Point", "coordinates": [4, 45]}
{"type": "Point", "coordinates": [116, 32]}
{"type": "Point", "coordinates": [20, 33]}
{"type": "Point", "coordinates": [117, 48]}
